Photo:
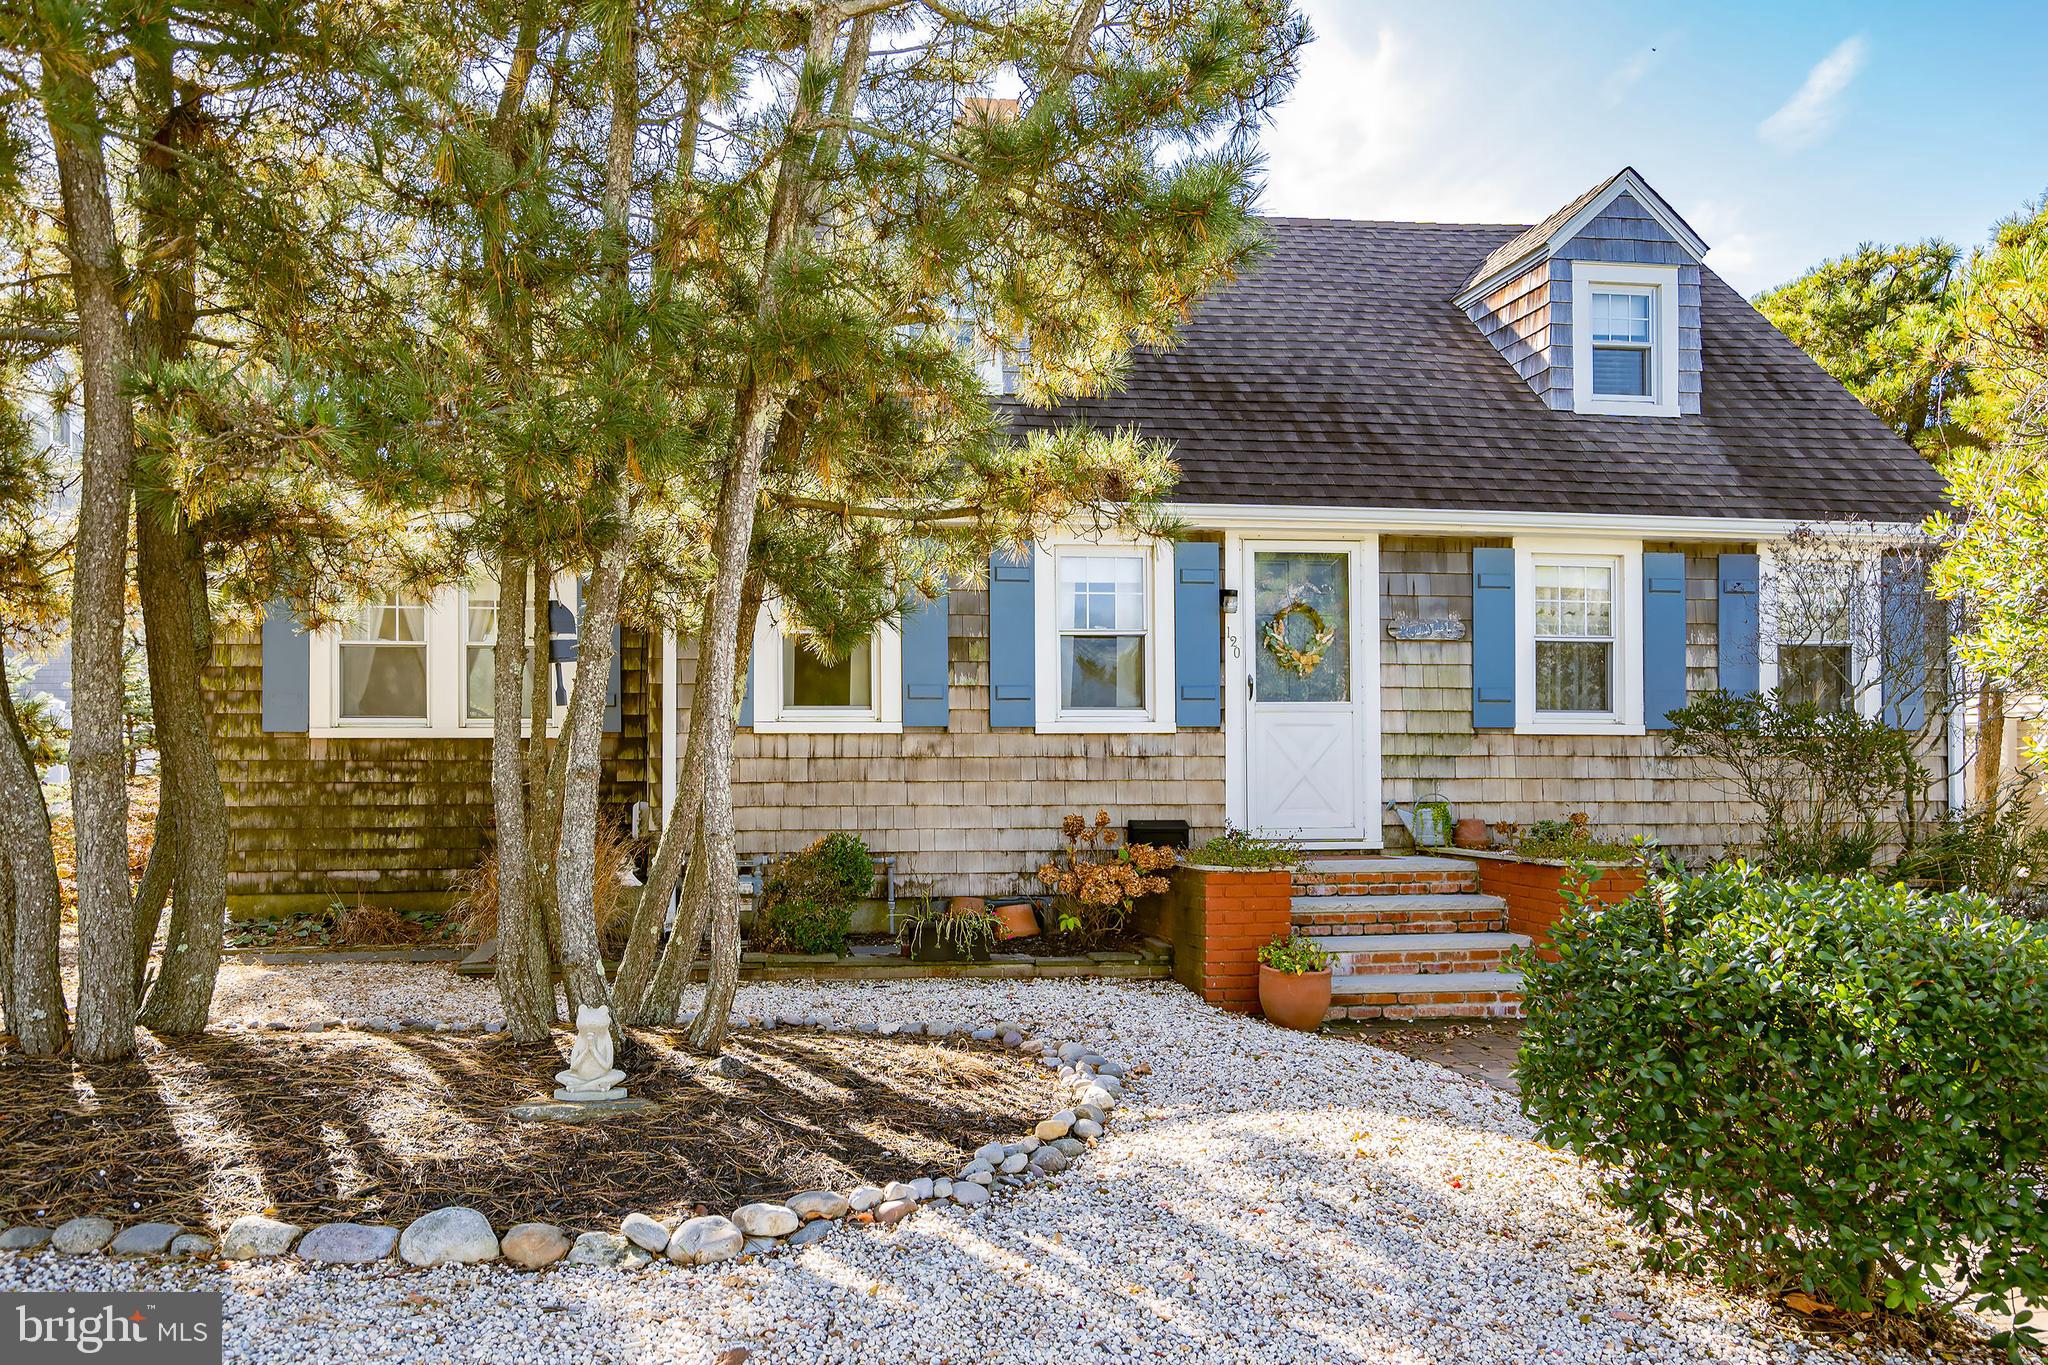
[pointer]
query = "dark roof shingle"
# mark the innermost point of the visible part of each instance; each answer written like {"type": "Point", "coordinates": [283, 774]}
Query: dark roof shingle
{"type": "Point", "coordinates": [1338, 372]}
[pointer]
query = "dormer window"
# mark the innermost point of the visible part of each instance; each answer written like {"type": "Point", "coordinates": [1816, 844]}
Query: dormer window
{"type": "Point", "coordinates": [1624, 354]}
{"type": "Point", "coordinates": [1625, 339]}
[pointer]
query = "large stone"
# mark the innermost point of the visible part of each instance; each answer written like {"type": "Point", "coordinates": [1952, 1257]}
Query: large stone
{"type": "Point", "coordinates": [23, 1238]}
{"type": "Point", "coordinates": [970, 1195]}
{"type": "Point", "coordinates": [1057, 1126]}
{"type": "Point", "coordinates": [761, 1246]}
{"type": "Point", "coordinates": [990, 1152]}
{"type": "Point", "coordinates": [1014, 1162]}
{"type": "Point", "coordinates": [534, 1245]}
{"type": "Point", "coordinates": [819, 1204]}
{"type": "Point", "coordinates": [864, 1198]}
{"type": "Point", "coordinates": [144, 1239]}
{"type": "Point", "coordinates": [895, 1210]}
{"type": "Point", "coordinates": [191, 1244]}
{"type": "Point", "coordinates": [814, 1231]}
{"type": "Point", "coordinates": [1068, 1147]}
{"type": "Point", "coordinates": [82, 1235]}
{"type": "Point", "coordinates": [1087, 1129]}
{"type": "Point", "coordinates": [450, 1236]}
{"type": "Point", "coordinates": [700, 1241]}
{"type": "Point", "coordinates": [252, 1236]}
{"type": "Point", "coordinates": [607, 1249]}
{"type": "Point", "coordinates": [643, 1231]}
{"type": "Point", "coordinates": [1096, 1096]}
{"type": "Point", "coordinates": [1051, 1160]}
{"type": "Point", "coordinates": [348, 1243]}
{"type": "Point", "coordinates": [921, 1188]}
{"type": "Point", "coordinates": [898, 1189]}
{"type": "Point", "coordinates": [766, 1220]}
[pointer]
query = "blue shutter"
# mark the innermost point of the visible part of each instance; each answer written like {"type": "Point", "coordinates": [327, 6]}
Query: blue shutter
{"type": "Point", "coordinates": [1493, 639]}
{"type": "Point", "coordinates": [1012, 642]}
{"type": "Point", "coordinates": [746, 716]}
{"type": "Point", "coordinates": [1739, 637]}
{"type": "Point", "coordinates": [925, 668]}
{"type": "Point", "coordinates": [1663, 638]}
{"type": "Point", "coordinates": [1903, 586]}
{"type": "Point", "coordinates": [1197, 635]}
{"type": "Point", "coordinates": [287, 672]}
{"type": "Point", "coordinates": [615, 685]}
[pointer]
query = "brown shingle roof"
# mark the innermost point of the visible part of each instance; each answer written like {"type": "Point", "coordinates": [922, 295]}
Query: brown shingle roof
{"type": "Point", "coordinates": [1338, 372]}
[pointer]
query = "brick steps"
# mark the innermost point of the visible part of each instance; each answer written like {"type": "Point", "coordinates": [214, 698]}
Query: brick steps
{"type": "Point", "coordinates": [1400, 913]}
{"type": "Point", "coordinates": [1449, 995]}
{"type": "Point", "coordinates": [1419, 954]}
{"type": "Point", "coordinates": [1386, 876]}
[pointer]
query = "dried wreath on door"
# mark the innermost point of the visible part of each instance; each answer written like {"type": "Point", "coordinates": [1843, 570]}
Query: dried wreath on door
{"type": "Point", "coordinates": [1300, 660]}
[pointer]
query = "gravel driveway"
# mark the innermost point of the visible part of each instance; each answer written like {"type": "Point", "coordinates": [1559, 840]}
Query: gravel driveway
{"type": "Point", "coordinates": [1263, 1196]}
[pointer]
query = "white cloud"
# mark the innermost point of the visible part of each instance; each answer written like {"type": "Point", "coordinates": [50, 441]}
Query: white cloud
{"type": "Point", "coordinates": [1807, 117]}
{"type": "Point", "coordinates": [1628, 76]}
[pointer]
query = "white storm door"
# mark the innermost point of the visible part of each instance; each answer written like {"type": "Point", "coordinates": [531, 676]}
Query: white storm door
{"type": "Point", "coordinates": [1306, 734]}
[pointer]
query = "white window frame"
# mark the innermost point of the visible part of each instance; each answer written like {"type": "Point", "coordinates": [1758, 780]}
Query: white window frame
{"type": "Point", "coordinates": [1156, 716]}
{"type": "Point", "coordinates": [884, 717]}
{"type": "Point", "coordinates": [447, 678]}
{"type": "Point", "coordinates": [1626, 558]}
{"type": "Point", "coordinates": [1660, 282]}
{"type": "Point", "coordinates": [1866, 673]}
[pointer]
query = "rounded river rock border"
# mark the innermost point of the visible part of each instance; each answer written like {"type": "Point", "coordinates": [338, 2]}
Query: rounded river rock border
{"type": "Point", "coordinates": [1092, 1084]}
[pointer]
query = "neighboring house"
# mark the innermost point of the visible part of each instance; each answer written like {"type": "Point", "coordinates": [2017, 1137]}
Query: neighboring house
{"type": "Point", "coordinates": [1506, 493]}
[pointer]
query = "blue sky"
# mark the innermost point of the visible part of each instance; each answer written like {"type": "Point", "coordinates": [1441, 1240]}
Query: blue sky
{"type": "Point", "coordinates": [1785, 133]}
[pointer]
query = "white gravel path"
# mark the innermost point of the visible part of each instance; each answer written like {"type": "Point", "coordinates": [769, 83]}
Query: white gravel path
{"type": "Point", "coordinates": [1261, 1196]}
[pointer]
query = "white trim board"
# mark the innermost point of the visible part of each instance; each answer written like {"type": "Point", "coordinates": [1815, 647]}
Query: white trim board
{"type": "Point", "coordinates": [1284, 519]}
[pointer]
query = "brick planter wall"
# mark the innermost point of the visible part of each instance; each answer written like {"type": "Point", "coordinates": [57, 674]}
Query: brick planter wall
{"type": "Point", "coordinates": [1217, 921]}
{"type": "Point", "coordinates": [1535, 896]}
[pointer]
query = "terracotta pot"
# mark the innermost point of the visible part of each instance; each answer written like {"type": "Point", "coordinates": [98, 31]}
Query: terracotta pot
{"type": "Point", "coordinates": [1472, 833]}
{"type": "Point", "coordinates": [1018, 918]}
{"type": "Point", "coordinates": [1296, 1000]}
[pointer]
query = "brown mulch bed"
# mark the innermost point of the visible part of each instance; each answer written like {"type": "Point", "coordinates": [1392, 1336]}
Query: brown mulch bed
{"type": "Point", "coordinates": [381, 1128]}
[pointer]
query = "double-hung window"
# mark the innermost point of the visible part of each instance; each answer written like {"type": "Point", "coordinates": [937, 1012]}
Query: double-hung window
{"type": "Point", "coordinates": [811, 682]}
{"type": "Point", "coordinates": [1815, 651]}
{"type": "Point", "coordinates": [1103, 629]}
{"type": "Point", "coordinates": [1575, 636]}
{"type": "Point", "coordinates": [1104, 647]}
{"type": "Point", "coordinates": [1623, 325]}
{"type": "Point", "coordinates": [1579, 636]}
{"type": "Point", "coordinates": [1624, 345]}
{"type": "Point", "coordinates": [382, 662]}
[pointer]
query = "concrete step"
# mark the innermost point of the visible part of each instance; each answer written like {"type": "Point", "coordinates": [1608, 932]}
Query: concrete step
{"type": "Point", "coordinates": [1419, 954]}
{"type": "Point", "coordinates": [1448, 995]}
{"type": "Point", "coordinates": [1466, 912]}
{"type": "Point", "coordinates": [1416, 875]}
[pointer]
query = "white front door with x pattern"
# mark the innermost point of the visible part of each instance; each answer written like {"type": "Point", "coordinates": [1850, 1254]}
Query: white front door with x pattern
{"type": "Point", "coordinates": [1305, 758]}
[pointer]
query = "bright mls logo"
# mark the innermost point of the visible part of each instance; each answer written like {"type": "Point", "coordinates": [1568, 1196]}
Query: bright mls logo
{"type": "Point", "coordinates": [163, 1329]}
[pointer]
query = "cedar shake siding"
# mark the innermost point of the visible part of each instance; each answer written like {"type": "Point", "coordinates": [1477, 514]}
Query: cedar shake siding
{"type": "Point", "coordinates": [970, 809]}
{"type": "Point", "coordinates": [391, 821]}
{"type": "Point", "coordinates": [1430, 748]}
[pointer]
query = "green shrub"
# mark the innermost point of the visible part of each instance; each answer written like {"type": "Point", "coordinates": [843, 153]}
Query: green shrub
{"type": "Point", "coordinates": [807, 897]}
{"type": "Point", "coordinates": [1570, 840]}
{"type": "Point", "coordinates": [1294, 955]}
{"type": "Point", "coordinates": [1834, 1085]}
{"type": "Point", "coordinates": [803, 926]}
{"type": "Point", "coordinates": [1240, 848]}
{"type": "Point", "coordinates": [1994, 849]}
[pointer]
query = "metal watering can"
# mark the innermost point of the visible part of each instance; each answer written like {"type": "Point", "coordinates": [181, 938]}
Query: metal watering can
{"type": "Point", "coordinates": [1428, 819]}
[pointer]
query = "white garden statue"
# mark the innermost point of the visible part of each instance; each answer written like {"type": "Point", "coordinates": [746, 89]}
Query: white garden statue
{"type": "Point", "coordinates": [591, 1075]}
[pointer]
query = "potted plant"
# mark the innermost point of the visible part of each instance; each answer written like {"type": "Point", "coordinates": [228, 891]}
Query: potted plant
{"type": "Point", "coordinates": [1294, 982]}
{"type": "Point", "coordinates": [937, 931]}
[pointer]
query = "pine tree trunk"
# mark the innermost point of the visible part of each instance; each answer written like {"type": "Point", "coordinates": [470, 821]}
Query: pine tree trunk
{"type": "Point", "coordinates": [716, 678]}
{"type": "Point", "coordinates": [686, 828]}
{"type": "Point", "coordinates": [581, 750]}
{"type": "Point", "coordinates": [99, 791]}
{"type": "Point", "coordinates": [167, 563]}
{"type": "Point", "coordinates": [525, 984]}
{"type": "Point", "coordinates": [153, 894]}
{"type": "Point", "coordinates": [35, 985]}
{"type": "Point", "coordinates": [543, 810]}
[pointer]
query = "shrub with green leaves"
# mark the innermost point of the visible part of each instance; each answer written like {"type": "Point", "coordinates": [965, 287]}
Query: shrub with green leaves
{"type": "Point", "coordinates": [807, 897]}
{"type": "Point", "coordinates": [1833, 1085]}
{"type": "Point", "coordinates": [1242, 849]}
{"type": "Point", "coordinates": [1294, 955]}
